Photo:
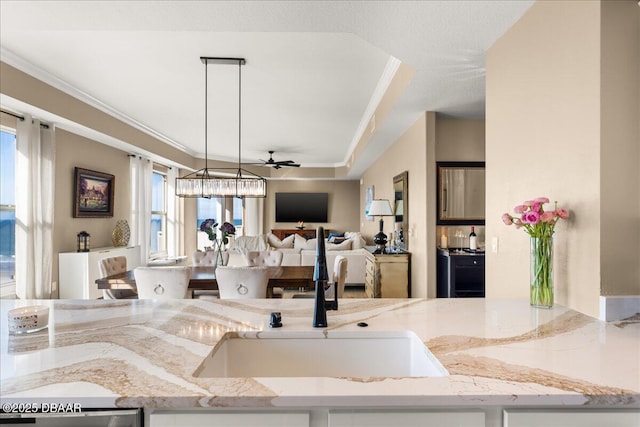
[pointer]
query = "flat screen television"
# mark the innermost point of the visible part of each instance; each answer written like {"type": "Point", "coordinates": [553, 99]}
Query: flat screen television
{"type": "Point", "coordinates": [307, 207]}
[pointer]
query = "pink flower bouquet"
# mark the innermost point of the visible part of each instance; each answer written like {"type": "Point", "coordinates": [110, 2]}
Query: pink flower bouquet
{"type": "Point", "coordinates": [540, 225]}
{"type": "Point", "coordinates": [534, 219]}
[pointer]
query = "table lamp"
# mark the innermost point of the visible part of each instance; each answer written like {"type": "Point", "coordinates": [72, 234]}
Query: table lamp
{"type": "Point", "coordinates": [380, 207]}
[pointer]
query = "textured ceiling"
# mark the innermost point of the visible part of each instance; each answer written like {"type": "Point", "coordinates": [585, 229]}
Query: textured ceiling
{"type": "Point", "coordinates": [313, 67]}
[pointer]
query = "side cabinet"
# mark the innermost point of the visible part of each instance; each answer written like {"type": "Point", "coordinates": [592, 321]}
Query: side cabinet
{"type": "Point", "coordinates": [228, 419]}
{"type": "Point", "coordinates": [571, 418]}
{"type": "Point", "coordinates": [388, 275]}
{"type": "Point", "coordinates": [460, 275]}
{"type": "Point", "coordinates": [407, 418]}
{"type": "Point", "coordinates": [78, 271]}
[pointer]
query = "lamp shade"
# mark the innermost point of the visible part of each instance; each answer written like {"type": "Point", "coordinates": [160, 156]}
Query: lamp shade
{"type": "Point", "coordinates": [380, 207]}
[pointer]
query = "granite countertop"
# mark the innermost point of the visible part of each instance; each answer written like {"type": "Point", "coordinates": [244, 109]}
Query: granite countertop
{"type": "Point", "coordinates": [132, 353]}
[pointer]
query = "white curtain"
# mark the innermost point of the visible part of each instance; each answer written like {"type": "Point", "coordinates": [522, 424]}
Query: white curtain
{"type": "Point", "coordinates": [141, 171]}
{"type": "Point", "coordinates": [253, 216]}
{"type": "Point", "coordinates": [173, 217]}
{"type": "Point", "coordinates": [35, 184]}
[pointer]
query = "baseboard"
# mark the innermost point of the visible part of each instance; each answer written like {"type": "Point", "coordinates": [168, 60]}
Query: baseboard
{"type": "Point", "coordinates": [614, 308]}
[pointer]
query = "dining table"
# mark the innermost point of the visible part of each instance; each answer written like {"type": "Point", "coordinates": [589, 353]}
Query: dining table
{"type": "Point", "coordinates": [204, 277]}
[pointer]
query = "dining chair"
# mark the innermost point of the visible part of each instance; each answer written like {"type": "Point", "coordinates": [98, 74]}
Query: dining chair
{"type": "Point", "coordinates": [109, 267]}
{"type": "Point", "coordinates": [207, 259]}
{"type": "Point", "coordinates": [242, 282]}
{"type": "Point", "coordinates": [162, 282]}
{"type": "Point", "coordinates": [338, 278]}
{"type": "Point", "coordinates": [269, 259]}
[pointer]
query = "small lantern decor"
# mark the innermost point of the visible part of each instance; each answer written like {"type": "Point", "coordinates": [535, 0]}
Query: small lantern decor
{"type": "Point", "coordinates": [83, 241]}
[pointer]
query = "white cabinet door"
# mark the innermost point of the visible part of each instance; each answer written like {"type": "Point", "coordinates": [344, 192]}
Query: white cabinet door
{"type": "Point", "coordinates": [571, 418]}
{"type": "Point", "coordinates": [229, 419]}
{"type": "Point", "coordinates": [78, 271]}
{"type": "Point", "coordinates": [406, 418]}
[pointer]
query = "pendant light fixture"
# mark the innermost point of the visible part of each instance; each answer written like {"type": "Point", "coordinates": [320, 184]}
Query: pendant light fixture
{"type": "Point", "coordinates": [216, 182]}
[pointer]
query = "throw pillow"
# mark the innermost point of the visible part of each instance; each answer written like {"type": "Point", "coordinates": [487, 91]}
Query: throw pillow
{"type": "Point", "coordinates": [344, 246]}
{"type": "Point", "coordinates": [356, 238]}
{"type": "Point", "coordinates": [275, 242]}
{"type": "Point", "coordinates": [302, 243]}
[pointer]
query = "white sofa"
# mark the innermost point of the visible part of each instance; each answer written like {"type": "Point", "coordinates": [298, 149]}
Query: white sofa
{"type": "Point", "coordinates": [297, 250]}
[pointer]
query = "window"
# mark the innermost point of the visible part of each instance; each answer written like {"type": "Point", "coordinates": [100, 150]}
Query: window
{"type": "Point", "coordinates": [7, 206]}
{"type": "Point", "coordinates": [218, 209]}
{"type": "Point", "coordinates": [158, 244]}
{"type": "Point", "coordinates": [237, 215]}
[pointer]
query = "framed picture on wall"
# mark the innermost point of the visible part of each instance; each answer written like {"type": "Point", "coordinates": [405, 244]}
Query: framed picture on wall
{"type": "Point", "coordinates": [368, 197]}
{"type": "Point", "coordinates": [93, 194]}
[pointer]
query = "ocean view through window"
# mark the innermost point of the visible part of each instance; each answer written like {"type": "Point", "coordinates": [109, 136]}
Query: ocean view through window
{"type": "Point", "coordinates": [216, 208]}
{"type": "Point", "coordinates": [7, 206]}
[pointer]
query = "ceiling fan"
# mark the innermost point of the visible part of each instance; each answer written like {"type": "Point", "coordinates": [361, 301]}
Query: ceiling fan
{"type": "Point", "coordinates": [278, 164]}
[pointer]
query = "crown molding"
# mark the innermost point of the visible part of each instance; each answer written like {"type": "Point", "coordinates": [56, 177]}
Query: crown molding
{"type": "Point", "coordinates": [381, 88]}
{"type": "Point", "coordinates": [34, 71]}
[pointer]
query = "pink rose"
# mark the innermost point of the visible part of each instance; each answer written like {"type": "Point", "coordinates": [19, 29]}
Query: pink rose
{"type": "Point", "coordinates": [536, 207]}
{"type": "Point", "coordinates": [562, 213]}
{"type": "Point", "coordinates": [547, 217]}
{"type": "Point", "coordinates": [507, 219]}
{"type": "Point", "coordinates": [520, 209]}
{"type": "Point", "coordinates": [531, 217]}
{"type": "Point", "coordinates": [541, 200]}
{"type": "Point", "coordinates": [517, 222]}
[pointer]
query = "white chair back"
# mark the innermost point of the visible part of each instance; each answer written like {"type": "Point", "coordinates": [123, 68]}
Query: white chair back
{"type": "Point", "coordinates": [264, 258]}
{"type": "Point", "coordinates": [242, 282]}
{"type": "Point", "coordinates": [208, 258]}
{"type": "Point", "coordinates": [109, 267]}
{"type": "Point", "coordinates": [339, 277]}
{"type": "Point", "coordinates": [162, 282]}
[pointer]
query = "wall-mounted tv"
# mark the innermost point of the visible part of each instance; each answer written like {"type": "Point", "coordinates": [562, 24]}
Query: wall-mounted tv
{"type": "Point", "coordinates": [307, 207]}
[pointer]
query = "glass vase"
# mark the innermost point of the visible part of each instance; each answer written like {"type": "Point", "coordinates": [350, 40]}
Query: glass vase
{"type": "Point", "coordinates": [541, 272]}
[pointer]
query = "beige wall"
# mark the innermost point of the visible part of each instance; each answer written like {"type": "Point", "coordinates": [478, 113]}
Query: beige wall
{"type": "Point", "coordinates": [343, 203]}
{"type": "Point", "coordinates": [547, 135]}
{"type": "Point", "coordinates": [75, 151]}
{"type": "Point", "coordinates": [408, 153]}
{"type": "Point", "coordinates": [460, 140]}
{"type": "Point", "coordinates": [620, 148]}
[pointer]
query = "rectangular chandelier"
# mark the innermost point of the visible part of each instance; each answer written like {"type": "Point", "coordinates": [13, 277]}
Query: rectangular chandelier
{"type": "Point", "coordinates": [203, 184]}
{"type": "Point", "coordinates": [208, 182]}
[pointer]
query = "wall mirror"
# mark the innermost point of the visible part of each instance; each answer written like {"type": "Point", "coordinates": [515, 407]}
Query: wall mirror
{"type": "Point", "coordinates": [461, 193]}
{"type": "Point", "coordinates": [401, 208]}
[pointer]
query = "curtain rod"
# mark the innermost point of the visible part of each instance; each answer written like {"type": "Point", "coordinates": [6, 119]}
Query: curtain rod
{"type": "Point", "coordinates": [21, 118]}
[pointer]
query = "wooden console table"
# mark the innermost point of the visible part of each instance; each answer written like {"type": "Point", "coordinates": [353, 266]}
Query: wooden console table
{"type": "Point", "coordinates": [309, 233]}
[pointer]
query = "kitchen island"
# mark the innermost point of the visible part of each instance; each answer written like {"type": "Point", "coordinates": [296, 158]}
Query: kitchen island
{"type": "Point", "coordinates": [498, 353]}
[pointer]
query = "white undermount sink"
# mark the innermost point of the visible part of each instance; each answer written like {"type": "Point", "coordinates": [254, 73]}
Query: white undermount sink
{"type": "Point", "coordinates": [362, 354]}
